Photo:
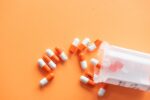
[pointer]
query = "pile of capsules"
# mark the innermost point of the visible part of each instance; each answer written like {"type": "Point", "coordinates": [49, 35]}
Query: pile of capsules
{"type": "Point", "coordinates": [50, 60]}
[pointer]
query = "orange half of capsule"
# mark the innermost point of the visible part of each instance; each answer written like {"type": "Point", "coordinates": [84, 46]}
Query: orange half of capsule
{"type": "Point", "coordinates": [81, 47]}
{"type": "Point", "coordinates": [46, 68]}
{"type": "Point", "coordinates": [91, 82]}
{"type": "Point", "coordinates": [81, 57]}
{"type": "Point", "coordinates": [55, 59]}
{"type": "Point", "coordinates": [72, 49]}
{"type": "Point", "coordinates": [97, 42]}
{"type": "Point", "coordinates": [50, 76]}
{"type": "Point", "coordinates": [46, 59]}
{"type": "Point", "coordinates": [89, 74]}
{"type": "Point", "coordinates": [58, 51]}
{"type": "Point", "coordinates": [98, 66]}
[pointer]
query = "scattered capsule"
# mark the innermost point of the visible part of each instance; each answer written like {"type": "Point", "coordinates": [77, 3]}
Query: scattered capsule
{"type": "Point", "coordinates": [46, 79]}
{"type": "Point", "coordinates": [95, 63]}
{"type": "Point", "coordinates": [50, 63]}
{"type": "Point", "coordinates": [74, 46]}
{"type": "Point", "coordinates": [52, 56]}
{"type": "Point", "coordinates": [83, 44]}
{"type": "Point", "coordinates": [93, 46]}
{"type": "Point", "coordinates": [87, 81]}
{"type": "Point", "coordinates": [83, 62]}
{"type": "Point", "coordinates": [102, 89]}
{"type": "Point", "coordinates": [43, 65]}
{"type": "Point", "coordinates": [61, 54]}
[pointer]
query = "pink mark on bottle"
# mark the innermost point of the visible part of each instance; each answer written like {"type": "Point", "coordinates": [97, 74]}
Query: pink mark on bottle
{"type": "Point", "coordinates": [116, 66]}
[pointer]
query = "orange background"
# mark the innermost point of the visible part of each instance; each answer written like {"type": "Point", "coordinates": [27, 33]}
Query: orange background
{"type": "Point", "coordinates": [28, 27]}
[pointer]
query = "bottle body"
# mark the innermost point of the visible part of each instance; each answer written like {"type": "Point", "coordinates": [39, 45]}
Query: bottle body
{"type": "Point", "coordinates": [124, 67]}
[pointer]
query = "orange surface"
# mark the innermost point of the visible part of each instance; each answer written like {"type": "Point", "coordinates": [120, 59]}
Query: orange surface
{"type": "Point", "coordinates": [28, 27]}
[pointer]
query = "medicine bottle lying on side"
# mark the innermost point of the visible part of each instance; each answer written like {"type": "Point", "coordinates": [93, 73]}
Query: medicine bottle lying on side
{"type": "Point", "coordinates": [123, 67]}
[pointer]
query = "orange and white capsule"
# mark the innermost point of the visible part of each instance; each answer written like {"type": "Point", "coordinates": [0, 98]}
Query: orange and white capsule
{"type": "Point", "coordinates": [95, 63]}
{"type": "Point", "coordinates": [83, 62]}
{"type": "Point", "coordinates": [52, 56]}
{"type": "Point", "coordinates": [87, 81]}
{"type": "Point", "coordinates": [46, 79]}
{"type": "Point", "coordinates": [43, 65]}
{"type": "Point", "coordinates": [61, 54]}
{"type": "Point", "coordinates": [50, 63]}
{"type": "Point", "coordinates": [102, 89]}
{"type": "Point", "coordinates": [74, 46]}
{"type": "Point", "coordinates": [83, 44]}
{"type": "Point", "coordinates": [93, 46]}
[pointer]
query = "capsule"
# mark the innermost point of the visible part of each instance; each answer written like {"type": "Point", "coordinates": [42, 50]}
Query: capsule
{"type": "Point", "coordinates": [50, 63]}
{"type": "Point", "coordinates": [46, 79]}
{"type": "Point", "coordinates": [94, 46]}
{"type": "Point", "coordinates": [102, 89]}
{"type": "Point", "coordinates": [83, 62]}
{"type": "Point", "coordinates": [95, 63]}
{"type": "Point", "coordinates": [74, 46]}
{"type": "Point", "coordinates": [43, 65]}
{"type": "Point", "coordinates": [52, 56]}
{"type": "Point", "coordinates": [87, 81]}
{"type": "Point", "coordinates": [83, 44]}
{"type": "Point", "coordinates": [61, 54]}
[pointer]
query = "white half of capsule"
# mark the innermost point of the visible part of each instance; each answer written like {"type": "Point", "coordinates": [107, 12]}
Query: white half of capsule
{"type": "Point", "coordinates": [43, 81]}
{"type": "Point", "coordinates": [86, 41]}
{"type": "Point", "coordinates": [63, 56]}
{"type": "Point", "coordinates": [41, 62]}
{"type": "Point", "coordinates": [101, 92]}
{"type": "Point", "coordinates": [76, 42]}
{"type": "Point", "coordinates": [52, 65]}
{"type": "Point", "coordinates": [83, 64]}
{"type": "Point", "coordinates": [94, 61]}
{"type": "Point", "coordinates": [91, 47]}
{"type": "Point", "coordinates": [84, 79]}
{"type": "Point", "coordinates": [49, 52]}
